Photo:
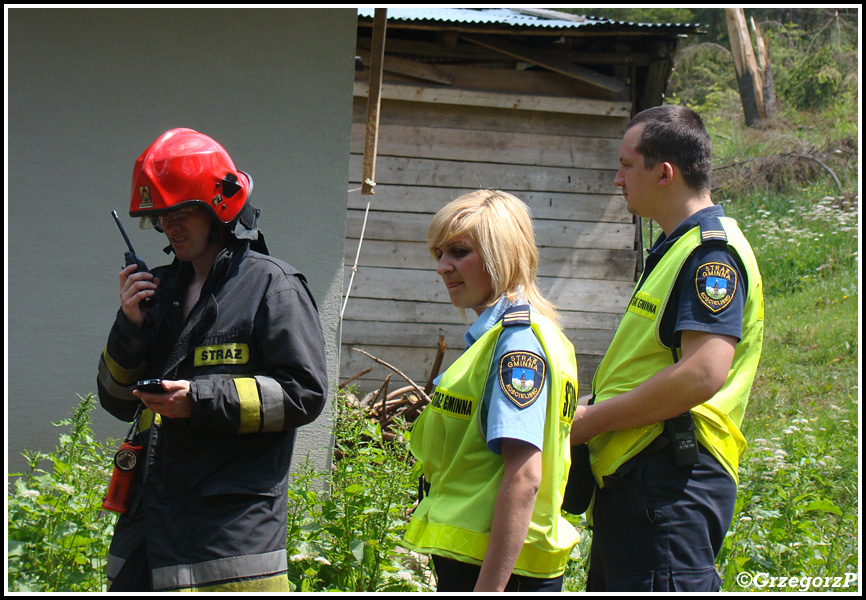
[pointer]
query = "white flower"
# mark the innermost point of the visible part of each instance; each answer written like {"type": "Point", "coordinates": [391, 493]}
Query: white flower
{"type": "Point", "coordinates": [32, 494]}
{"type": "Point", "coordinates": [66, 488]}
{"type": "Point", "coordinates": [322, 560]}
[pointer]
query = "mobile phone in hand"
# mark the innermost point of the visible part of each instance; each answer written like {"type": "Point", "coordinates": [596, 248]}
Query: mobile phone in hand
{"type": "Point", "coordinates": [151, 386]}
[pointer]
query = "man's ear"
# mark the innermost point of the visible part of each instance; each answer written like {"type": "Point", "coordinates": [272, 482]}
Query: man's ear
{"type": "Point", "coordinates": [668, 172]}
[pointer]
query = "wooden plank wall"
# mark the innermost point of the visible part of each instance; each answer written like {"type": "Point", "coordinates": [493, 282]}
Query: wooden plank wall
{"type": "Point", "coordinates": [561, 164]}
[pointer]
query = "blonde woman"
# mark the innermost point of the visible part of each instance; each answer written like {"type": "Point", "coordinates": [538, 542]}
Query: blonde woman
{"type": "Point", "coordinates": [494, 442]}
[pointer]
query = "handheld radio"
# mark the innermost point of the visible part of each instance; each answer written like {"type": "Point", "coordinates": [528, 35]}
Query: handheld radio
{"type": "Point", "coordinates": [131, 257]}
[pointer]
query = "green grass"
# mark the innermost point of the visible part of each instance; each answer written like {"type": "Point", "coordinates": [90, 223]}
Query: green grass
{"type": "Point", "coordinates": [798, 508]}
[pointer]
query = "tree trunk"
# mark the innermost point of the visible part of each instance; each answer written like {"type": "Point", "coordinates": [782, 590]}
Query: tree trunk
{"type": "Point", "coordinates": [748, 75]}
{"type": "Point", "coordinates": [769, 89]}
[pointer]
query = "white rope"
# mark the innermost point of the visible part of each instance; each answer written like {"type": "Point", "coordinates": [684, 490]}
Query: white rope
{"type": "Point", "coordinates": [357, 256]}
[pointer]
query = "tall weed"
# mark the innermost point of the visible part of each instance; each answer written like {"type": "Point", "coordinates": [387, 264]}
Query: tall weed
{"type": "Point", "coordinates": [797, 505]}
{"type": "Point", "coordinates": [346, 537]}
{"type": "Point", "coordinates": [58, 532]}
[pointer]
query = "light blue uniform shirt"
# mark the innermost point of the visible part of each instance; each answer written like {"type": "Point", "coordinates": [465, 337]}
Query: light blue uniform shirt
{"type": "Point", "coordinates": [500, 417]}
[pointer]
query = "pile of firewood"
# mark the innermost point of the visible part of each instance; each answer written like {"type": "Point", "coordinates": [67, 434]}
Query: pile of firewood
{"type": "Point", "coordinates": [385, 405]}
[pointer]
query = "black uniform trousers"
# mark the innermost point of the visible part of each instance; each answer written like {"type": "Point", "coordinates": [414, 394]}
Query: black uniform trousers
{"type": "Point", "coordinates": [455, 576]}
{"type": "Point", "coordinates": [659, 527]}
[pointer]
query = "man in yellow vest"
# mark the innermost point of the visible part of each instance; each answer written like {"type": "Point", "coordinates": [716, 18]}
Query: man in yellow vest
{"type": "Point", "coordinates": [663, 424]}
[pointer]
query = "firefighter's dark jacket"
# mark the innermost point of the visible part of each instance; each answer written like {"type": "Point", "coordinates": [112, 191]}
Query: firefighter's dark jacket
{"type": "Point", "coordinates": [253, 350]}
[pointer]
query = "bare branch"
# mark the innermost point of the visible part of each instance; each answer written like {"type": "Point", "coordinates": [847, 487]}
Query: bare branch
{"type": "Point", "coordinates": [421, 392]}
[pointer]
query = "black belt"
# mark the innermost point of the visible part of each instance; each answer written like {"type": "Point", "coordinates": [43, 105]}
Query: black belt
{"type": "Point", "coordinates": [659, 444]}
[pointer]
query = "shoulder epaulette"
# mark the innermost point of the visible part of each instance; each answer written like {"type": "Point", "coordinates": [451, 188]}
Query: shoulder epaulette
{"type": "Point", "coordinates": [516, 315]}
{"type": "Point", "coordinates": [712, 231]}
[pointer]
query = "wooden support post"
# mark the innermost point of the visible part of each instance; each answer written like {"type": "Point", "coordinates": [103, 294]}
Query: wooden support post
{"type": "Point", "coordinates": [371, 138]}
{"type": "Point", "coordinates": [748, 75]}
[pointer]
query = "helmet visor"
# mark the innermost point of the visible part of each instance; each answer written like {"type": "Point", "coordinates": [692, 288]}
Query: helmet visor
{"type": "Point", "coordinates": [149, 222]}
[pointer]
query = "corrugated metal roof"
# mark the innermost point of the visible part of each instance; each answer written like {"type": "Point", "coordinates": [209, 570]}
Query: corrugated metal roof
{"type": "Point", "coordinates": [515, 18]}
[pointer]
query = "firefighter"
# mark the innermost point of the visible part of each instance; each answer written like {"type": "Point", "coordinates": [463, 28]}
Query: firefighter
{"type": "Point", "coordinates": [494, 440]}
{"type": "Point", "coordinates": [234, 335]}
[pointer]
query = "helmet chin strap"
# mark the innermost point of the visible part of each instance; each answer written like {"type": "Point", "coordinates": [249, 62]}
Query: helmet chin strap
{"type": "Point", "coordinates": [214, 237]}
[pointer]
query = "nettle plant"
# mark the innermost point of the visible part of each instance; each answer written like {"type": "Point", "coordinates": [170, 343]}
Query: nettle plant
{"type": "Point", "coordinates": [346, 525]}
{"type": "Point", "coordinates": [58, 532]}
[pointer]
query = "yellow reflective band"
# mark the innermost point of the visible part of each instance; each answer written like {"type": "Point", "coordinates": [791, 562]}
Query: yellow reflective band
{"type": "Point", "coordinates": [222, 354]}
{"type": "Point", "coordinates": [147, 419]}
{"type": "Point", "coordinates": [453, 405]}
{"type": "Point", "coordinates": [761, 304]}
{"type": "Point", "coordinates": [644, 305]}
{"type": "Point", "coordinates": [120, 374]}
{"type": "Point", "coordinates": [251, 572]}
{"type": "Point", "coordinates": [277, 583]}
{"type": "Point", "coordinates": [248, 394]}
{"type": "Point", "coordinates": [470, 547]}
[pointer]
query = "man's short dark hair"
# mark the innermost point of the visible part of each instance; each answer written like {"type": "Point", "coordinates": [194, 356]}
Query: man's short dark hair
{"type": "Point", "coordinates": [677, 135]}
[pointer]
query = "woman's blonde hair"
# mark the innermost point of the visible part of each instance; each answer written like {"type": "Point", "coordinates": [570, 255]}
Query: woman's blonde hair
{"type": "Point", "coordinates": [501, 226]}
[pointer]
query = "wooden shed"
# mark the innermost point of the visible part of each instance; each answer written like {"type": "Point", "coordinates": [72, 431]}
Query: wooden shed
{"type": "Point", "coordinates": [533, 102]}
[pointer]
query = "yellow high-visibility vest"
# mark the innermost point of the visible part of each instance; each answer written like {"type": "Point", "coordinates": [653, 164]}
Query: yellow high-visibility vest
{"type": "Point", "coordinates": [636, 353]}
{"type": "Point", "coordinates": [454, 519]}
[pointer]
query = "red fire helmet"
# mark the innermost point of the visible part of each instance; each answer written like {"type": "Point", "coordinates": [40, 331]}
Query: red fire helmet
{"type": "Point", "coordinates": [184, 166]}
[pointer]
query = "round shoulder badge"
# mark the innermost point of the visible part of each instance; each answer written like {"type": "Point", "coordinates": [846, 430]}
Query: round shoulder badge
{"type": "Point", "coordinates": [716, 285]}
{"type": "Point", "coordinates": [521, 376]}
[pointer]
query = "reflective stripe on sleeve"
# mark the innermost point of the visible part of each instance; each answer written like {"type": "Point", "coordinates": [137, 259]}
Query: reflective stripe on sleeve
{"type": "Point", "coordinates": [121, 374]}
{"type": "Point", "coordinates": [250, 405]}
{"type": "Point", "coordinates": [273, 412]}
{"type": "Point", "coordinates": [112, 385]}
